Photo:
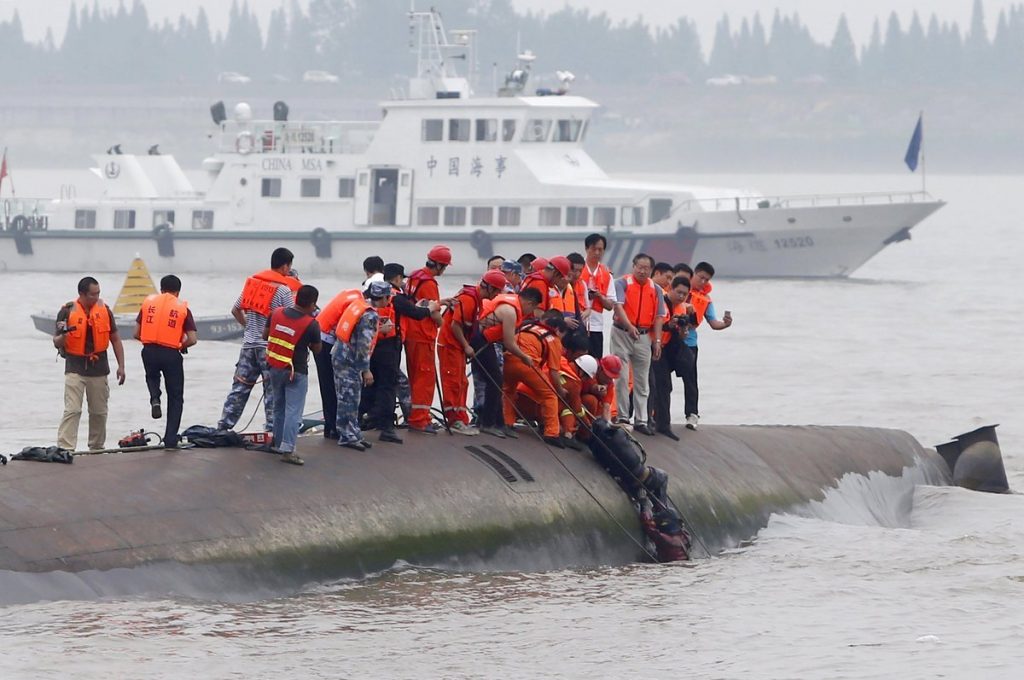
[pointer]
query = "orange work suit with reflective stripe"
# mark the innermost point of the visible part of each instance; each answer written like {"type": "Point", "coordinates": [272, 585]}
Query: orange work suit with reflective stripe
{"type": "Point", "coordinates": [517, 373]}
{"type": "Point", "coordinates": [419, 356]}
{"type": "Point", "coordinates": [452, 358]}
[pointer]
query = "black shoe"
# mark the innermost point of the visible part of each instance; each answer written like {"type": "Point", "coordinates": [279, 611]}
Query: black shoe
{"type": "Point", "coordinates": [355, 446]}
{"type": "Point", "coordinates": [510, 432]}
{"type": "Point", "coordinates": [366, 444]}
{"type": "Point", "coordinates": [644, 428]}
{"type": "Point", "coordinates": [575, 444]}
{"type": "Point", "coordinates": [292, 458]}
{"type": "Point", "coordinates": [669, 433]}
{"type": "Point", "coordinates": [156, 411]}
{"type": "Point", "coordinates": [557, 442]}
{"type": "Point", "coordinates": [390, 436]}
{"type": "Point", "coordinates": [494, 431]}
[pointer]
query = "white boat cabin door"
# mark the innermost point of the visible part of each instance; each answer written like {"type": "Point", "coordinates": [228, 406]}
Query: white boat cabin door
{"type": "Point", "coordinates": [383, 197]}
{"type": "Point", "coordinates": [403, 210]}
{"type": "Point", "coordinates": [362, 202]}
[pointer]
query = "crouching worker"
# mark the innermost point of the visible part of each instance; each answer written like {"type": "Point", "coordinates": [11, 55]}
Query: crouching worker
{"type": "Point", "coordinates": [357, 334]}
{"type": "Point", "coordinates": [291, 334]}
{"type": "Point", "coordinates": [598, 389]}
{"type": "Point", "coordinates": [542, 343]}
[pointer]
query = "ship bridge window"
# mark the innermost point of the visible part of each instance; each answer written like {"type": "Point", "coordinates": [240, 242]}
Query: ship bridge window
{"type": "Point", "coordinates": [567, 130]}
{"type": "Point", "coordinates": [576, 217]}
{"type": "Point", "coordinates": [163, 217]}
{"type": "Point", "coordinates": [550, 217]}
{"type": "Point", "coordinates": [481, 217]}
{"type": "Point", "coordinates": [428, 216]}
{"type": "Point", "coordinates": [85, 219]}
{"type": "Point", "coordinates": [202, 219]}
{"type": "Point", "coordinates": [486, 129]}
{"type": "Point", "coordinates": [346, 187]}
{"type": "Point", "coordinates": [454, 216]}
{"type": "Point", "coordinates": [658, 209]}
{"type": "Point", "coordinates": [537, 130]}
{"type": "Point", "coordinates": [508, 130]}
{"type": "Point", "coordinates": [124, 219]}
{"type": "Point", "coordinates": [508, 217]}
{"type": "Point", "coordinates": [433, 130]}
{"type": "Point", "coordinates": [458, 129]}
{"type": "Point", "coordinates": [632, 216]}
{"type": "Point", "coordinates": [309, 187]}
{"type": "Point", "coordinates": [270, 187]}
{"type": "Point", "coordinates": [604, 217]}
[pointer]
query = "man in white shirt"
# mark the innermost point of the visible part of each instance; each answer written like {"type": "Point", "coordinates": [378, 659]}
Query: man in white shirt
{"type": "Point", "coordinates": [600, 286]}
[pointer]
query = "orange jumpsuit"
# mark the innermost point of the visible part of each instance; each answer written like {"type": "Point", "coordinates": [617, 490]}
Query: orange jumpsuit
{"type": "Point", "coordinates": [545, 349]}
{"type": "Point", "coordinates": [420, 338]}
{"type": "Point", "coordinates": [452, 358]}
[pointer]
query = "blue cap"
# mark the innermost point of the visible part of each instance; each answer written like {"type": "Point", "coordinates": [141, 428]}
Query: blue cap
{"type": "Point", "coordinates": [378, 290]}
{"type": "Point", "coordinates": [512, 267]}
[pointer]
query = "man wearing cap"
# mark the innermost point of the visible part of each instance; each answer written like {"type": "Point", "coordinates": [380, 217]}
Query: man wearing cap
{"type": "Point", "coordinates": [513, 272]}
{"type": "Point", "coordinates": [357, 334]}
{"type": "Point", "coordinates": [550, 281]}
{"type": "Point", "coordinates": [453, 349]}
{"type": "Point", "coordinates": [328, 318]}
{"type": "Point", "coordinates": [421, 336]}
{"type": "Point", "coordinates": [600, 288]}
{"type": "Point", "coordinates": [382, 413]}
{"type": "Point", "coordinates": [636, 337]}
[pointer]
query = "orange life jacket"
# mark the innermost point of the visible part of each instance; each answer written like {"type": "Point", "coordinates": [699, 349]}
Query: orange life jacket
{"type": "Point", "coordinates": [163, 320]}
{"type": "Point", "coordinates": [386, 314]}
{"type": "Point", "coordinates": [259, 290]}
{"type": "Point", "coordinates": [284, 335]}
{"type": "Point", "coordinates": [598, 281]}
{"type": "Point", "coordinates": [641, 305]}
{"type": "Point", "coordinates": [490, 325]}
{"type": "Point", "coordinates": [350, 319]}
{"type": "Point", "coordinates": [331, 314]}
{"type": "Point", "coordinates": [421, 285]}
{"type": "Point", "coordinates": [678, 310]}
{"type": "Point", "coordinates": [550, 345]}
{"type": "Point", "coordinates": [469, 324]}
{"type": "Point", "coordinates": [550, 298]}
{"type": "Point", "coordinates": [572, 301]}
{"type": "Point", "coordinates": [98, 319]}
{"type": "Point", "coordinates": [700, 299]}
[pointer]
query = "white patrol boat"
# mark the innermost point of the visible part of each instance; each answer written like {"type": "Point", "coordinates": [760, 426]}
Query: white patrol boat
{"type": "Point", "coordinates": [501, 174]}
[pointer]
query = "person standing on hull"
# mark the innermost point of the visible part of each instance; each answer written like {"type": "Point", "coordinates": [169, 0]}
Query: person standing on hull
{"type": "Point", "coordinates": [574, 300]}
{"type": "Point", "coordinates": [636, 337]}
{"type": "Point", "coordinates": [494, 262]}
{"type": "Point", "coordinates": [454, 350]}
{"type": "Point", "coordinates": [550, 280]}
{"type": "Point", "coordinates": [166, 329]}
{"type": "Point", "coordinates": [541, 342]}
{"type": "Point", "coordinates": [704, 309]}
{"type": "Point", "coordinates": [357, 334]}
{"type": "Point", "coordinates": [513, 272]}
{"type": "Point", "coordinates": [263, 293]}
{"type": "Point", "coordinates": [85, 328]}
{"type": "Point", "coordinates": [677, 321]}
{"type": "Point", "coordinates": [327, 319]}
{"type": "Point", "coordinates": [390, 350]}
{"type": "Point", "coordinates": [421, 337]}
{"type": "Point", "coordinates": [597, 281]}
{"type": "Point", "coordinates": [373, 268]}
{"type": "Point", "coordinates": [291, 334]}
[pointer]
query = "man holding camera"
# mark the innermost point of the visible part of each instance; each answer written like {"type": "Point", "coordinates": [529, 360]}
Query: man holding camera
{"type": "Point", "coordinates": [85, 329]}
{"type": "Point", "coordinates": [679, 319]}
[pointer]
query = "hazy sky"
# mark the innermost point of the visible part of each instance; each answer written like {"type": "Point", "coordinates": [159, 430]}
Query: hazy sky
{"type": "Point", "coordinates": [819, 15]}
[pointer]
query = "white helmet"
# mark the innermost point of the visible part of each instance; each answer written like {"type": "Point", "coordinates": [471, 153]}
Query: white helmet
{"type": "Point", "coordinates": [587, 364]}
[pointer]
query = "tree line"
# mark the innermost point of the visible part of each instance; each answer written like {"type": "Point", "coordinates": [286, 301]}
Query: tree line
{"type": "Point", "coordinates": [369, 39]}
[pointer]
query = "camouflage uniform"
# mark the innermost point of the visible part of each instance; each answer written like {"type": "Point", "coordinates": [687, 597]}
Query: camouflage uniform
{"type": "Point", "coordinates": [404, 394]}
{"type": "Point", "coordinates": [350, 359]}
{"type": "Point", "coordinates": [252, 364]}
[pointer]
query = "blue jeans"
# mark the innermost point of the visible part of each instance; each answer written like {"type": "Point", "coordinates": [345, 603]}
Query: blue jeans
{"type": "Point", "coordinates": [289, 400]}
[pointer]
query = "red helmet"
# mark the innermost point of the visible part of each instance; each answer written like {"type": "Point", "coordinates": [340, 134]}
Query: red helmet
{"type": "Point", "coordinates": [561, 265]}
{"type": "Point", "coordinates": [612, 365]}
{"type": "Point", "coordinates": [494, 279]}
{"type": "Point", "coordinates": [538, 264]}
{"type": "Point", "coordinates": [440, 255]}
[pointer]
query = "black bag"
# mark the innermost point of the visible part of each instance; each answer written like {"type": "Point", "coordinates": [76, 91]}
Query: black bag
{"type": "Point", "coordinates": [45, 454]}
{"type": "Point", "coordinates": [209, 438]}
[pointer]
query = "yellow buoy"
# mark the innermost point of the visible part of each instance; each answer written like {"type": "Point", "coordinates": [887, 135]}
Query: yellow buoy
{"type": "Point", "coordinates": [138, 284]}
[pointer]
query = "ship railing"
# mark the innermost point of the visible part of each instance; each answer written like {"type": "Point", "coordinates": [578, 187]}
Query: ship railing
{"type": "Point", "coordinates": [24, 213]}
{"type": "Point", "coordinates": [310, 137]}
{"type": "Point", "coordinates": [754, 202]}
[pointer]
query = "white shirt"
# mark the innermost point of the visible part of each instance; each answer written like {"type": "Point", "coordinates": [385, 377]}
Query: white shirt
{"type": "Point", "coordinates": [596, 321]}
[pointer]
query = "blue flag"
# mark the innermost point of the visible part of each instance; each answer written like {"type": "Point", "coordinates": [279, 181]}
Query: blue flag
{"type": "Point", "coordinates": [914, 149]}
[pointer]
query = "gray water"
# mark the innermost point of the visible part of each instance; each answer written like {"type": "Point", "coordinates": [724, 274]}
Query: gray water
{"type": "Point", "coordinates": [882, 579]}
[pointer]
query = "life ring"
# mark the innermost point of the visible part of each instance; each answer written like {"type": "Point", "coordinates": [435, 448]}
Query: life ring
{"type": "Point", "coordinates": [538, 131]}
{"type": "Point", "coordinates": [163, 234]}
{"type": "Point", "coordinates": [244, 143]}
{"type": "Point", "coordinates": [481, 242]}
{"type": "Point", "coordinates": [321, 240]}
{"type": "Point", "coordinates": [19, 223]}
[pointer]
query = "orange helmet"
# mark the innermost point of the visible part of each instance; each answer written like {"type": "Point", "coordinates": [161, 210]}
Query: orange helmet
{"type": "Point", "coordinates": [538, 264]}
{"type": "Point", "coordinates": [561, 265]}
{"type": "Point", "coordinates": [612, 365]}
{"type": "Point", "coordinates": [440, 255]}
{"type": "Point", "coordinates": [495, 279]}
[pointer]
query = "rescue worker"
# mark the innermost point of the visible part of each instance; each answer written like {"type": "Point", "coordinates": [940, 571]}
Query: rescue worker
{"type": "Point", "coordinates": [404, 307]}
{"type": "Point", "coordinates": [570, 407]}
{"type": "Point", "coordinates": [84, 329]}
{"type": "Point", "coordinates": [541, 342]}
{"type": "Point", "coordinates": [598, 390]}
{"type": "Point", "coordinates": [458, 325]}
{"type": "Point", "coordinates": [386, 356]}
{"type": "Point", "coordinates": [499, 320]}
{"type": "Point", "coordinates": [421, 336]}
{"type": "Point", "coordinates": [636, 337]}
{"type": "Point", "coordinates": [526, 261]}
{"type": "Point", "coordinates": [704, 309]}
{"type": "Point", "coordinates": [291, 334]}
{"type": "Point", "coordinates": [597, 280]}
{"type": "Point", "coordinates": [676, 323]}
{"type": "Point", "coordinates": [574, 301]}
{"type": "Point", "coordinates": [263, 293]}
{"type": "Point", "coordinates": [513, 272]}
{"type": "Point", "coordinates": [327, 319]}
{"type": "Point", "coordinates": [550, 281]}
{"type": "Point", "coordinates": [166, 329]}
{"type": "Point", "coordinates": [357, 335]}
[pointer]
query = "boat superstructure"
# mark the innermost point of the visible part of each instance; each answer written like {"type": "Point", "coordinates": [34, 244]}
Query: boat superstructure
{"type": "Point", "coordinates": [504, 173]}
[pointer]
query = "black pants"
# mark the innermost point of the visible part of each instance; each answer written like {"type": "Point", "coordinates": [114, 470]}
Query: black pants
{"type": "Point", "coordinates": [485, 367]}
{"type": "Point", "coordinates": [158, 360]}
{"type": "Point", "coordinates": [328, 392]}
{"type": "Point", "coordinates": [689, 376]}
{"type": "Point", "coordinates": [597, 344]}
{"type": "Point", "coordinates": [660, 403]}
{"type": "Point", "coordinates": [384, 366]}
